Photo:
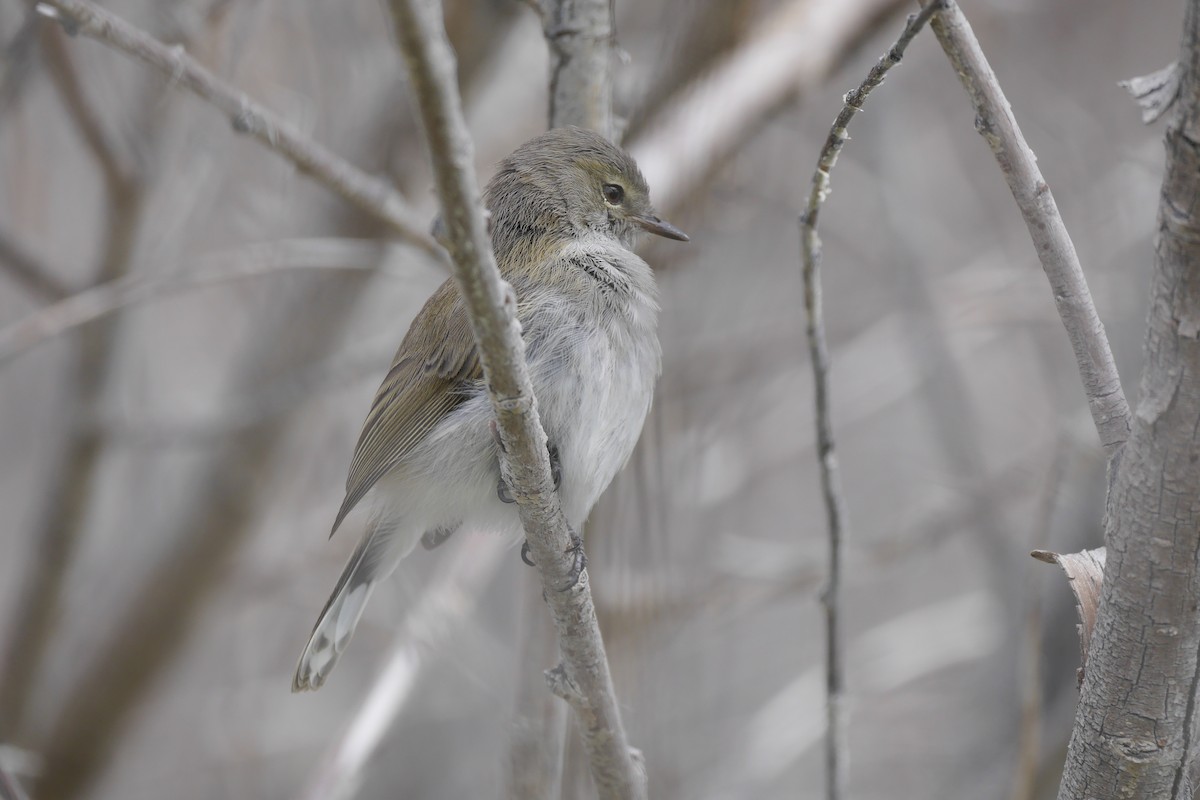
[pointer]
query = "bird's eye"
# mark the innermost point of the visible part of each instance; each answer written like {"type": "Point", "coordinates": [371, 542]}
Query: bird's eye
{"type": "Point", "coordinates": [614, 194]}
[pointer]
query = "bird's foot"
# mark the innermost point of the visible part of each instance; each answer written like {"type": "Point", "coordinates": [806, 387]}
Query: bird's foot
{"type": "Point", "coordinates": [577, 567]}
{"type": "Point", "coordinates": [579, 564]}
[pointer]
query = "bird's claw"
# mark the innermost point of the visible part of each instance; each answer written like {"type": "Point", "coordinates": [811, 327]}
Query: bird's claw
{"type": "Point", "coordinates": [580, 563]}
{"type": "Point", "coordinates": [577, 567]}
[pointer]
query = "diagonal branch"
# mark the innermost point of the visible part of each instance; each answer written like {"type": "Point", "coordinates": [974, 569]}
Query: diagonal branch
{"type": "Point", "coordinates": [995, 122]}
{"type": "Point", "coordinates": [247, 116]}
{"type": "Point", "coordinates": [491, 307]}
{"type": "Point", "coordinates": [831, 482]}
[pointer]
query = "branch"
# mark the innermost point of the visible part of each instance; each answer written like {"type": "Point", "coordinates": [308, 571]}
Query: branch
{"type": "Point", "coordinates": [491, 307]}
{"type": "Point", "coordinates": [995, 122]}
{"type": "Point", "coordinates": [1136, 724]}
{"type": "Point", "coordinates": [831, 482]}
{"type": "Point", "coordinates": [579, 37]}
{"type": "Point", "coordinates": [580, 34]}
{"type": "Point", "coordinates": [369, 194]}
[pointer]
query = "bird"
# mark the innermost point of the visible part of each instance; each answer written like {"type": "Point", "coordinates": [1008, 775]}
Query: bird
{"type": "Point", "coordinates": [565, 210]}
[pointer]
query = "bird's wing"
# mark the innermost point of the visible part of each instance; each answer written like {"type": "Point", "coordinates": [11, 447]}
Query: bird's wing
{"type": "Point", "coordinates": [417, 392]}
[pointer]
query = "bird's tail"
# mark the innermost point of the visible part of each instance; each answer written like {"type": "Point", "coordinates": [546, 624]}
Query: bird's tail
{"type": "Point", "coordinates": [372, 561]}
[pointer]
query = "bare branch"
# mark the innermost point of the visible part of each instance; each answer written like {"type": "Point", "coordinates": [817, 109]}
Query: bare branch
{"type": "Point", "coordinates": [995, 122]}
{"type": "Point", "coordinates": [247, 116]}
{"type": "Point", "coordinates": [491, 307]}
{"type": "Point", "coordinates": [1137, 720]}
{"type": "Point", "coordinates": [580, 34]}
{"type": "Point", "coordinates": [831, 482]}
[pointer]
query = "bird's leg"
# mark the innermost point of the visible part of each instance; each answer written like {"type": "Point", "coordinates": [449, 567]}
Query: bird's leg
{"type": "Point", "coordinates": [505, 494]}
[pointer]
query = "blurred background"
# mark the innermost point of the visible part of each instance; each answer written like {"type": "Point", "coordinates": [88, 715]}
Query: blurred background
{"type": "Point", "coordinates": [191, 332]}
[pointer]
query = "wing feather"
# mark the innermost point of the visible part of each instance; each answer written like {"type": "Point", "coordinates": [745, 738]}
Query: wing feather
{"type": "Point", "coordinates": [416, 393]}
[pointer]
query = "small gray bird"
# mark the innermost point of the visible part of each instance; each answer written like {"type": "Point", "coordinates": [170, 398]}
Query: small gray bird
{"type": "Point", "coordinates": [565, 208]}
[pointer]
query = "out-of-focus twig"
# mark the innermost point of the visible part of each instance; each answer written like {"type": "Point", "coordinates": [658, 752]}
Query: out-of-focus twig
{"type": "Point", "coordinates": [27, 270]}
{"type": "Point", "coordinates": [17, 61]}
{"type": "Point", "coordinates": [216, 516]}
{"type": "Point", "coordinates": [67, 494]}
{"type": "Point", "coordinates": [995, 122]}
{"type": "Point", "coordinates": [251, 261]}
{"type": "Point", "coordinates": [1029, 736]}
{"type": "Point", "coordinates": [247, 116]}
{"type": "Point", "coordinates": [791, 50]}
{"type": "Point", "coordinates": [835, 501]}
{"type": "Point", "coordinates": [118, 172]}
{"type": "Point", "coordinates": [584, 679]}
{"type": "Point", "coordinates": [446, 602]}
{"type": "Point", "coordinates": [580, 34]}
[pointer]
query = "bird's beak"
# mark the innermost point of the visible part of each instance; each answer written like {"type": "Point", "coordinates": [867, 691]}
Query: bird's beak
{"type": "Point", "coordinates": [659, 227]}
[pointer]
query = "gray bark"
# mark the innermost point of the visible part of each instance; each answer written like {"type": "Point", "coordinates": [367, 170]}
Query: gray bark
{"type": "Point", "coordinates": [1135, 728]}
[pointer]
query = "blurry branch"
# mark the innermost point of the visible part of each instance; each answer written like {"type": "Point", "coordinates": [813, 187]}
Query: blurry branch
{"type": "Point", "coordinates": [216, 517]}
{"type": "Point", "coordinates": [118, 173]}
{"type": "Point", "coordinates": [18, 61]}
{"type": "Point", "coordinates": [697, 39]}
{"type": "Point", "coordinates": [1029, 735]}
{"type": "Point", "coordinates": [444, 604]}
{"type": "Point", "coordinates": [27, 270]}
{"type": "Point", "coordinates": [66, 497]}
{"type": "Point", "coordinates": [244, 263]}
{"type": "Point", "coordinates": [995, 122]}
{"type": "Point", "coordinates": [831, 484]}
{"type": "Point", "coordinates": [583, 679]}
{"type": "Point", "coordinates": [790, 51]}
{"type": "Point", "coordinates": [247, 116]}
{"type": "Point", "coordinates": [906, 648]}
{"type": "Point", "coordinates": [538, 735]}
{"type": "Point", "coordinates": [580, 34]}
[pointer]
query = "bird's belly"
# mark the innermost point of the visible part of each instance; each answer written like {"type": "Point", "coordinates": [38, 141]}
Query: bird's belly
{"type": "Point", "coordinates": [593, 406]}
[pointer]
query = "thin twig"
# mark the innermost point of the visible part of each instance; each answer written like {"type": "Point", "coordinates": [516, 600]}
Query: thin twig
{"type": "Point", "coordinates": [247, 116]}
{"type": "Point", "coordinates": [995, 122]}
{"type": "Point", "coordinates": [831, 483]}
{"type": "Point", "coordinates": [491, 306]}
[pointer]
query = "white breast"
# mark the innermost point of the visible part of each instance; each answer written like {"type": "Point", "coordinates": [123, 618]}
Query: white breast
{"type": "Point", "coordinates": [594, 380]}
